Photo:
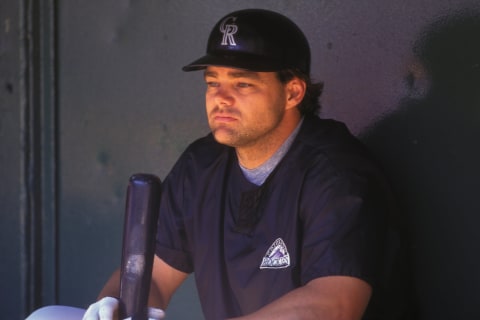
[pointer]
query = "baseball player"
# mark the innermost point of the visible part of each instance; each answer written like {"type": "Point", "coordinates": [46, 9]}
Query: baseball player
{"type": "Point", "coordinates": [278, 213]}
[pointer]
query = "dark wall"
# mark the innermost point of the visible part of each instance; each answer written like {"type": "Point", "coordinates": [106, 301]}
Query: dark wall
{"type": "Point", "coordinates": [11, 224]}
{"type": "Point", "coordinates": [428, 146]}
{"type": "Point", "coordinates": [403, 75]}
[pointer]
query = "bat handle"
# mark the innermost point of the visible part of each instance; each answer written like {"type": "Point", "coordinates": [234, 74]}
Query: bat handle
{"type": "Point", "coordinates": [141, 214]}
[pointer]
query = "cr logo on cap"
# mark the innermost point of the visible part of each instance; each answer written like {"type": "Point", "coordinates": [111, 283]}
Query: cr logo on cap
{"type": "Point", "coordinates": [228, 31]}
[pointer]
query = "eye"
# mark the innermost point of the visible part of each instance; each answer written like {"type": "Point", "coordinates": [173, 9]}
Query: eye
{"type": "Point", "coordinates": [212, 84]}
{"type": "Point", "coordinates": [244, 85]}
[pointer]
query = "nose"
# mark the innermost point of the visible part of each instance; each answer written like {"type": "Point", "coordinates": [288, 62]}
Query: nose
{"type": "Point", "coordinates": [223, 97]}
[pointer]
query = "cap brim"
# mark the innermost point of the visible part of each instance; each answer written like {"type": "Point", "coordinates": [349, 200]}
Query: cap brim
{"type": "Point", "coordinates": [244, 61]}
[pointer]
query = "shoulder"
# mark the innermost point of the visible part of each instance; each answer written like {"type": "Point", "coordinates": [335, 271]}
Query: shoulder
{"type": "Point", "coordinates": [327, 156]}
{"type": "Point", "coordinates": [331, 143]}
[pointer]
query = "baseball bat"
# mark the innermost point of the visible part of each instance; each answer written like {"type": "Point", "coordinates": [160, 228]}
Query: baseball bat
{"type": "Point", "coordinates": [140, 222]}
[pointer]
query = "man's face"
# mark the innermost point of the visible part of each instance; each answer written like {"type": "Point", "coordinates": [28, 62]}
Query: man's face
{"type": "Point", "coordinates": [244, 108]}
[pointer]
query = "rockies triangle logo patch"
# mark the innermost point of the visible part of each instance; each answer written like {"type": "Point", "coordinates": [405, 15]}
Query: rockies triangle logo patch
{"type": "Point", "coordinates": [277, 256]}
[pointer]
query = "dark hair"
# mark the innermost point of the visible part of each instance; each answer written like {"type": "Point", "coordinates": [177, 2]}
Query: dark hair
{"type": "Point", "coordinates": [310, 104]}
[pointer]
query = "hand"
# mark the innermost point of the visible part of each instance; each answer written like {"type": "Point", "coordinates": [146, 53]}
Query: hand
{"type": "Point", "coordinates": [107, 309]}
{"type": "Point", "coordinates": [104, 309]}
{"type": "Point", "coordinates": [153, 314]}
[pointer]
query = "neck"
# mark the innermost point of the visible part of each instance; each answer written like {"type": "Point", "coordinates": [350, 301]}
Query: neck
{"type": "Point", "coordinates": [254, 155]}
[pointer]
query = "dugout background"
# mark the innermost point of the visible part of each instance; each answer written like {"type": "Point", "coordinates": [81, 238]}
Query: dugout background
{"type": "Point", "coordinates": [92, 91]}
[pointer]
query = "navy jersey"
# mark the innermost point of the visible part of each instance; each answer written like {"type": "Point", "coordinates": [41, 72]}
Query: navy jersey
{"type": "Point", "coordinates": [319, 213]}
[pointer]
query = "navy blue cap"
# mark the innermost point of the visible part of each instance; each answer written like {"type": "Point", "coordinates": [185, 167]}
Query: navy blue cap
{"type": "Point", "coordinates": [256, 40]}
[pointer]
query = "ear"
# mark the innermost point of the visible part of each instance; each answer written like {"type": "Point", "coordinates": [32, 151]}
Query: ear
{"type": "Point", "coordinates": [295, 90]}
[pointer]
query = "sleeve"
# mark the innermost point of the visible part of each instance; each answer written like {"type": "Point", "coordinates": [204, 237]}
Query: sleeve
{"type": "Point", "coordinates": [172, 243]}
{"type": "Point", "coordinates": [343, 226]}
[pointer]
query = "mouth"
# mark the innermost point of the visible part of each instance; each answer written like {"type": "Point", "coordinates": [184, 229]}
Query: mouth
{"type": "Point", "coordinates": [224, 118]}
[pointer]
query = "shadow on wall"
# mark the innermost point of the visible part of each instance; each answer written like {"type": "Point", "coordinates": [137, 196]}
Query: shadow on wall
{"type": "Point", "coordinates": [429, 147]}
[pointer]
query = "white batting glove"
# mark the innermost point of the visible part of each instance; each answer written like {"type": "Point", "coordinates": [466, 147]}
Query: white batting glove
{"type": "Point", "coordinates": [153, 314]}
{"type": "Point", "coordinates": [107, 309]}
{"type": "Point", "coordinates": [103, 309]}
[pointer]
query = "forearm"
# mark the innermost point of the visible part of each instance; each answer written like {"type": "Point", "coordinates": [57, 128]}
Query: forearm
{"type": "Point", "coordinates": [295, 305]}
{"type": "Point", "coordinates": [112, 286]}
{"type": "Point", "coordinates": [334, 300]}
{"type": "Point", "coordinates": [165, 280]}
{"type": "Point", "coordinates": [112, 289]}
{"type": "Point", "coordinates": [108, 304]}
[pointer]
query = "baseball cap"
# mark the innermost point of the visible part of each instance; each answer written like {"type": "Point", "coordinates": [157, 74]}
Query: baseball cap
{"type": "Point", "coordinates": [256, 40]}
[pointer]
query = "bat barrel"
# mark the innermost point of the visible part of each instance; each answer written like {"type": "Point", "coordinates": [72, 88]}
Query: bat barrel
{"type": "Point", "coordinates": [141, 214]}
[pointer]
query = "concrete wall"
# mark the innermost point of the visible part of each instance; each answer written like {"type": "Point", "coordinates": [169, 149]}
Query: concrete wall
{"type": "Point", "coordinates": [403, 75]}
